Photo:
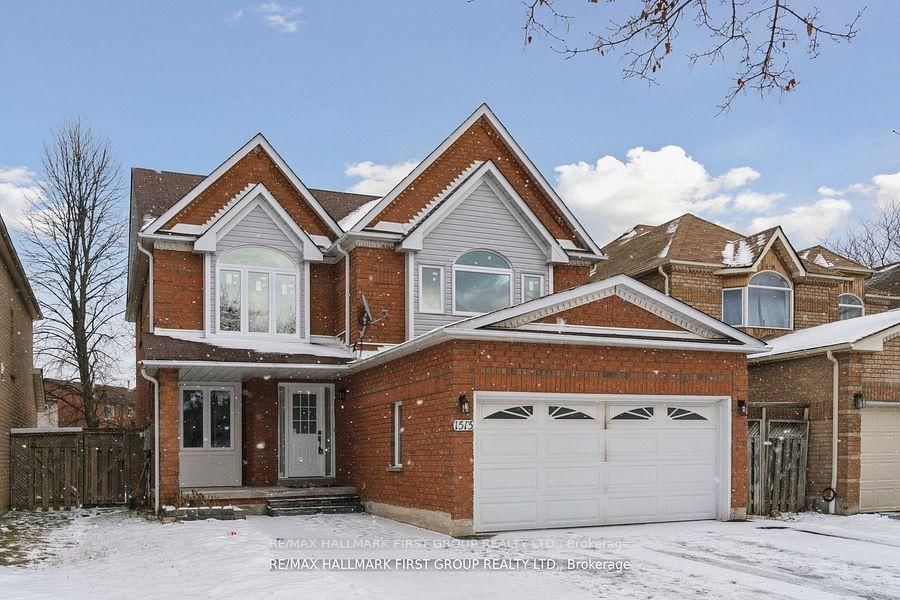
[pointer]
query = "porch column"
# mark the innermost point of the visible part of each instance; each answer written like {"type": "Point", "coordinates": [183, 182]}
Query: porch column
{"type": "Point", "coordinates": [169, 435]}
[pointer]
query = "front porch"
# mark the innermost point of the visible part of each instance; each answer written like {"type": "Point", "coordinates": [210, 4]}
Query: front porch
{"type": "Point", "coordinates": [247, 436]}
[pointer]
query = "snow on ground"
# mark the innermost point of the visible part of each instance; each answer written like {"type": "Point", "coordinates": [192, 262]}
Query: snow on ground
{"type": "Point", "coordinates": [113, 554]}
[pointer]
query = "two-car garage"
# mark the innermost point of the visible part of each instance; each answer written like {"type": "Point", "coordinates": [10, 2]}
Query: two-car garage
{"type": "Point", "coordinates": [545, 460]}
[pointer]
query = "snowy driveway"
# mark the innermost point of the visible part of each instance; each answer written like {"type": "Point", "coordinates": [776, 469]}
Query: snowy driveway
{"type": "Point", "coordinates": [117, 554]}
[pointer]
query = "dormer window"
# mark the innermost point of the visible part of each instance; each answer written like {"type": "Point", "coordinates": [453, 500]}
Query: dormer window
{"type": "Point", "coordinates": [257, 292]}
{"type": "Point", "coordinates": [849, 306]}
{"type": "Point", "coordinates": [482, 282]}
{"type": "Point", "coordinates": [766, 301]}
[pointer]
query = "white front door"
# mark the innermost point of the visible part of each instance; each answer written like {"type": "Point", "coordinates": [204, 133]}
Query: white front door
{"type": "Point", "coordinates": [545, 461]}
{"type": "Point", "coordinates": [305, 436]}
{"type": "Point", "coordinates": [879, 479]}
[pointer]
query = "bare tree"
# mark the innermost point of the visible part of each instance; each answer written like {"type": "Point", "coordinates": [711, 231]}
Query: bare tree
{"type": "Point", "coordinates": [759, 35]}
{"type": "Point", "coordinates": [873, 242]}
{"type": "Point", "coordinates": [76, 236]}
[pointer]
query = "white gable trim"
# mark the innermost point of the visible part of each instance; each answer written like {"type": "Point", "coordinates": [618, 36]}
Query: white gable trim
{"type": "Point", "coordinates": [482, 111]}
{"type": "Point", "coordinates": [503, 190]}
{"type": "Point", "coordinates": [258, 196]}
{"type": "Point", "coordinates": [632, 291]}
{"type": "Point", "coordinates": [257, 140]}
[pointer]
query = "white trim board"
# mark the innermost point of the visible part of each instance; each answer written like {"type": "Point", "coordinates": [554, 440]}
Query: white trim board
{"type": "Point", "coordinates": [257, 140]}
{"type": "Point", "coordinates": [482, 111]}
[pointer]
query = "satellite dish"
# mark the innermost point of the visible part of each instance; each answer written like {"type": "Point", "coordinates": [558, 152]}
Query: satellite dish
{"type": "Point", "coordinates": [366, 317]}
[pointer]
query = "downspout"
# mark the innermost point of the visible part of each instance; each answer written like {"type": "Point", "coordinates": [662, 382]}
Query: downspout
{"type": "Point", "coordinates": [665, 277]}
{"type": "Point", "coordinates": [346, 256]}
{"type": "Point", "coordinates": [150, 282]}
{"type": "Point", "coordinates": [155, 383]}
{"type": "Point", "coordinates": [834, 428]}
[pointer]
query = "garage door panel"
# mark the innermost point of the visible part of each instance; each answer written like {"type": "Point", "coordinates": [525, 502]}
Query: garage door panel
{"type": "Point", "coordinates": [586, 477]}
{"type": "Point", "coordinates": [547, 471]}
{"type": "Point", "coordinates": [880, 459]}
{"type": "Point", "coordinates": [506, 445]}
{"type": "Point", "coordinates": [574, 445]}
{"type": "Point", "coordinates": [507, 480]}
{"type": "Point", "coordinates": [631, 445]}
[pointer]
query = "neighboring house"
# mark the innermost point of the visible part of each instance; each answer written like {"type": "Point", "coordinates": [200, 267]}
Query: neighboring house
{"type": "Point", "coordinates": [113, 405]}
{"type": "Point", "coordinates": [438, 348]}
{"type": "Point", "coordinates": [801, 302]}
{"type": "Point", "coordinates": [19, 395]}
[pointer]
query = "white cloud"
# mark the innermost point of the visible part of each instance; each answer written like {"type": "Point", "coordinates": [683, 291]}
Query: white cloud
{"type": "Point", "coordinates": [377, 179]}
{"type": "Point", "coordinates": [280, 17]}
{"type": "Point", "coordinates": [887, 188]}
{"type": "Point", "coordinates": [18, 185]}
{"type": "Point", "coordinates": [807, 224]}
{"type": "Point", "coordinates": [653, 186]}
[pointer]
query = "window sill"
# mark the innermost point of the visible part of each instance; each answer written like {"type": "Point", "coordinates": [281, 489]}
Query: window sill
{"type": "Point", "coordinates": [395, 468]}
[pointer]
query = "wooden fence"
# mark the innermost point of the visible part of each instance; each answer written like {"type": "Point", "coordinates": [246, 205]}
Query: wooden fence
{"type": "Point", "coordinates": [778, 452]}
{"type": "Point", "coordinates": [70, 467]}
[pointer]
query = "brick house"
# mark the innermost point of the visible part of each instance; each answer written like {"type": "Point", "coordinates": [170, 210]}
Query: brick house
{"type": "Point", "coordinates": [439, 349]}
{"type": "Point", "coordinates": [114, 404]}
{"type": "Point", "coordinates": [801, 303]}
{"type": "Point", "coordinates": [19, 381]}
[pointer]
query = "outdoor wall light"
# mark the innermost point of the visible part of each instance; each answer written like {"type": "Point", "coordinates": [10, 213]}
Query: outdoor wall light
{"type": "Point", "coordinates": [342, 394]}
{"type": "Point", "coordinates": [859, 401]}
{"type": "Point", "coordinates": [742, 407]}
{"type": "Point", "coordinates": [463, 404]}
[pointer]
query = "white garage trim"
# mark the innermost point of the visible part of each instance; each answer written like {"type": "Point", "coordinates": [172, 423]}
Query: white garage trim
{"type": "Point", "coordinates": [722, 423]}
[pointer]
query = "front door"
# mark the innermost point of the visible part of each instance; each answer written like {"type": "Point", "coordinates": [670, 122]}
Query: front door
{"type": "Point", "coordinates": [305, 439]}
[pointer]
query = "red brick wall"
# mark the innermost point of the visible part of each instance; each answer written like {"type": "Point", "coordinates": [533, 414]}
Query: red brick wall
{"type": "Point", "coordinates": [380, 274]}
{"type": "Point", "coordinates": [611, 312]}
{"type": "Point", "coordinates": [169, 434]}
{"type": "Point", "coordinates": [569, 276]}
{"type": "Point", "coordinates": [325, 316]}
{"type": "Point", "coordinates": [17, 403]}
{"type": "Point", "coordinates": [260, 432]}
{"type": "Point", "coordinates": [177, 289]}
{"type": "Point", "coordinates": [881, 373]}
{"type": "Point", "coordinates": [479, 142]}
{"type": "Point", "coordinates": [255, 167]}
{"type": "Point", "coordinates": [437, 473]}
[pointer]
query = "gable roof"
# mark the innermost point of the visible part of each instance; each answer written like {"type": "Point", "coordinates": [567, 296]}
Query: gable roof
{"type": "Point", "coordinates": [260, 141]}
{"type": "Point", "coordinates": [691, 239]}
{"type": "Point", "coordinates": [823, 257]}
{"type": "Point", "coordinates": [10, 259]}
{"type": "Point", "coordinates": [485, 112]}
{"type": "Point", "coordinates": [866, 333]}
{"type": "Point", "coordinates": [885, 280]}
{"type": "Point", "coordinates": [453, 196]}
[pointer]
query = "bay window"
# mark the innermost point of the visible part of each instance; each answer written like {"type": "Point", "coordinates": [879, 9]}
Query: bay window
{"type": "Point", "coordinates": [482, 282]}
{"type": "Point", "coordinates": [257, 292]}
{"type": "Point", "coordinates": [766, 301]}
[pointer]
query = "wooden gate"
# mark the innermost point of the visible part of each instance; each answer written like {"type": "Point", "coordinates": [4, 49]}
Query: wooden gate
{"type": "Point", "coordinates": [778, 452]}
{"type": "Point", "coordinates": [67, 468]}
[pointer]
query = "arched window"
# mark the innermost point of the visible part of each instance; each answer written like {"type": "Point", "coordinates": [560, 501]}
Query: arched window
{"type": "Point", "coordinates": [482, 282]}
{"type": "Point", "coordinates": [849, 306]}
{"type": "Point", "coordinates": [257, 291]}
{"type": "Point", "coordinates": [766, 301]}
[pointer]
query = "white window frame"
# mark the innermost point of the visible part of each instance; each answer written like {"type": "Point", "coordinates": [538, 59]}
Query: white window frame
{"type": "Point", "coordinates": [492, 270]}
{"type": "Point", "coordinates": [745, 301]}
{"type": "Point", "coordinates": [272, 272]}
{"type": "Point", "coordinates": [861, 306]}
{"type": "Point", "coordinates": [397, 435]}
{"type": "Point", "coordinates": [207, 390]}
{"type": "Point", "coordinates": [543, 290]}
{"type": "Point", "coordinates": [432, 311]}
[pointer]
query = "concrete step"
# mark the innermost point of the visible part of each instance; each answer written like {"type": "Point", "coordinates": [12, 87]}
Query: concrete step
{"type": "Point", "coordinates": [300, 501]}
{"type": "Point", "coordinates": [330, 509]}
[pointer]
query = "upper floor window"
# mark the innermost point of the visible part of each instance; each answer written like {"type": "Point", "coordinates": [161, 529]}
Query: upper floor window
{"type": "Point", "coordinates": [257, 291]}
{"type": "Point", "coordinates": [849, 306]}
{"type": "Point", "coordinates": [766, 301]}
{"type": "Point", "coordinates": [482, 282]}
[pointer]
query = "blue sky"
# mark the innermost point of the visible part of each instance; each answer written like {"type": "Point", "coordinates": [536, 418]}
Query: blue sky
{"type": "Point", "coordinates": [180, 85]}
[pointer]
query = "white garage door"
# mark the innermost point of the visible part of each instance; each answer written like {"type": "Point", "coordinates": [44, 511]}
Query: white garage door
{"type": "Point", "coordinates": [879, 485]}
{"type": "Point", "coordinates": [556, 463]}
